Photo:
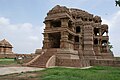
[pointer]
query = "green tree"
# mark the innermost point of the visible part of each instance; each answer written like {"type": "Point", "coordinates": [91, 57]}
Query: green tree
{"type": "Point", "coordinates": [117, 2]}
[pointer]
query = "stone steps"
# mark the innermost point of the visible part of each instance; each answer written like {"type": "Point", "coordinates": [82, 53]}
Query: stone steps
{"type": "Point", "coordinates": [42, 60]}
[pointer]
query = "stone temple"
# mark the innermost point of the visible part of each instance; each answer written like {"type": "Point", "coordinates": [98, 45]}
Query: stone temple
{"type": "Point", "coordinates": [5, 47]}
{"type": "Point", "coordinates": [72, 37]}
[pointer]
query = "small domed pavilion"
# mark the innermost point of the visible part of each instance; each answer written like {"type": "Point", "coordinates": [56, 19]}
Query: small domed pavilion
{"type": "Point", "coordinates": [5, 47]}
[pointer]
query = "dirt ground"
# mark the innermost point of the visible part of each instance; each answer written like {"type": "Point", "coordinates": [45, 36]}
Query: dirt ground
{"type": "Point", "coordinates": [22, 76]}
{"type": "Point", "coordinates": [18, 72]}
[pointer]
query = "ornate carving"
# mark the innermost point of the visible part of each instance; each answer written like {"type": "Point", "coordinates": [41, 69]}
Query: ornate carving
{"type": "Point", "coordinates": [58, 9]}
{"type": "Point", "coordinates": [91, 29]}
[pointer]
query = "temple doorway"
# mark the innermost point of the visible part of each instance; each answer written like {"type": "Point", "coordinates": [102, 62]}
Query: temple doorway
{"type": "Point", "coordinates": [54, 39]}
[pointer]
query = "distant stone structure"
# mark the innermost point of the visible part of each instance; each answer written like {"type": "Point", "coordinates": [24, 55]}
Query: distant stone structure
{"type": "Point", "coordinates": [72, 37]}
{"type": "Point", "coordinates": [6, 52]}
{"type": "Point", "coordinates": [5, 47]}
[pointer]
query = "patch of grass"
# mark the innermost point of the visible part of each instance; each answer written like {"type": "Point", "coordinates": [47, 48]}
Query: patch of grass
{"type": "Point", "coordinates": [94, 73]}
{"type": "Point", "coordinates": [7, 61]}
{"type": "Point", "coordinates": [60, 73]}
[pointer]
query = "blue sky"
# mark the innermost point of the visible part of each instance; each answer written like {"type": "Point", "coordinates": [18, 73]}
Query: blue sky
{"type": "Point", "coordinates": [21, 21]}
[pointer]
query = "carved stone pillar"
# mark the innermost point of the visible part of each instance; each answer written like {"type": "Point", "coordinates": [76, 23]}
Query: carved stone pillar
{"type": "Point", "coordinates": [64, 22]}
{"type": "Point", "coordinates": [99, 46]}
{"type": "Point", "coordinates": [80, 48]}
{"type": "Point", "coordinates": [2, 50]}
{"type": "Point", "coordinates": [107, 33]}
{"type": "Point", "coordinates": [88, 42]}
{"type": "Point", "coordinates": [64, 39]}
{"type": "Point", "coordinates": [107, 47]}
{"type": "Point", "coordinates": [47, 25]}
{"type": "Point", "coordinates": [46, 41]}
{"type": "Point", "coordinates": [80, 45]}
{"type": "Point", "coordinates": [73, 28]}
{"type": "Point", "coordinates": [72, 39]}
{"type": "Point", "coordinates": [100, 32]}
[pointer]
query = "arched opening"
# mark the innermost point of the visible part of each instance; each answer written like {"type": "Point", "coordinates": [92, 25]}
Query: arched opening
{"type": "Point", "coordinates": [96, 41]}
{"type": "Point", "coordinates": [96, 21]}
{"type": "Point", "coordinates": [104, 42]}
{"type": "Point", "coordinates": [78, 17]}
{"type": "Point", "coordinates": [54, 39]}
{"type": "Point", "coordinates": [78, 29]}
{"type": "Point", "coordinates": [104, 45]}
{"type": "Point", "coordinates": [96, 31]}
{"type": "Point", "coordinates": [70, 24]}
{"type": "Point", "coordinates": [73, 17]}
{"type": "Point", "coordinates": [85, 19]}
{"type": "Point", "coordinates": [56, 23]}
{"type": "Point", "coordinates": [70, 37]}
{"type": "Point", "coordinates": [90, 19]}
{"type": "Point", "coordinates": [76, 39]}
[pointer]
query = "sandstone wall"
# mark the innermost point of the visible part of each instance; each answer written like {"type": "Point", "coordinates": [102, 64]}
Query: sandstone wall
{"type": "Point", "coordinates": [7, 55]}
{"type": "Point", "coordinates": [72, 62]}
{"type": "Point", "coordinates": [114, 63]}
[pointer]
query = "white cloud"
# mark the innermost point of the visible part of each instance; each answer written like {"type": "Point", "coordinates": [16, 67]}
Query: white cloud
{"type": "Point", "coordinates": [104, 21]}
{"type": "Point", "coordinates": [35, 38]}
{"type": "Point", "coordinates": [26, 26]}
{"type": "Point", "coordinates": [114, 31]}
{"type": "Point", "coordinates": [4, 21]}
{"type": "Point", "coordinates": [24, 37]}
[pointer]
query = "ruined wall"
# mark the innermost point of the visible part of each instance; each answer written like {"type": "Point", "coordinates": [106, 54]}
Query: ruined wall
{"type": "Point", "coordinates": [21, 58]}
{"type": "Point", "coordinates": [7, 55]}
